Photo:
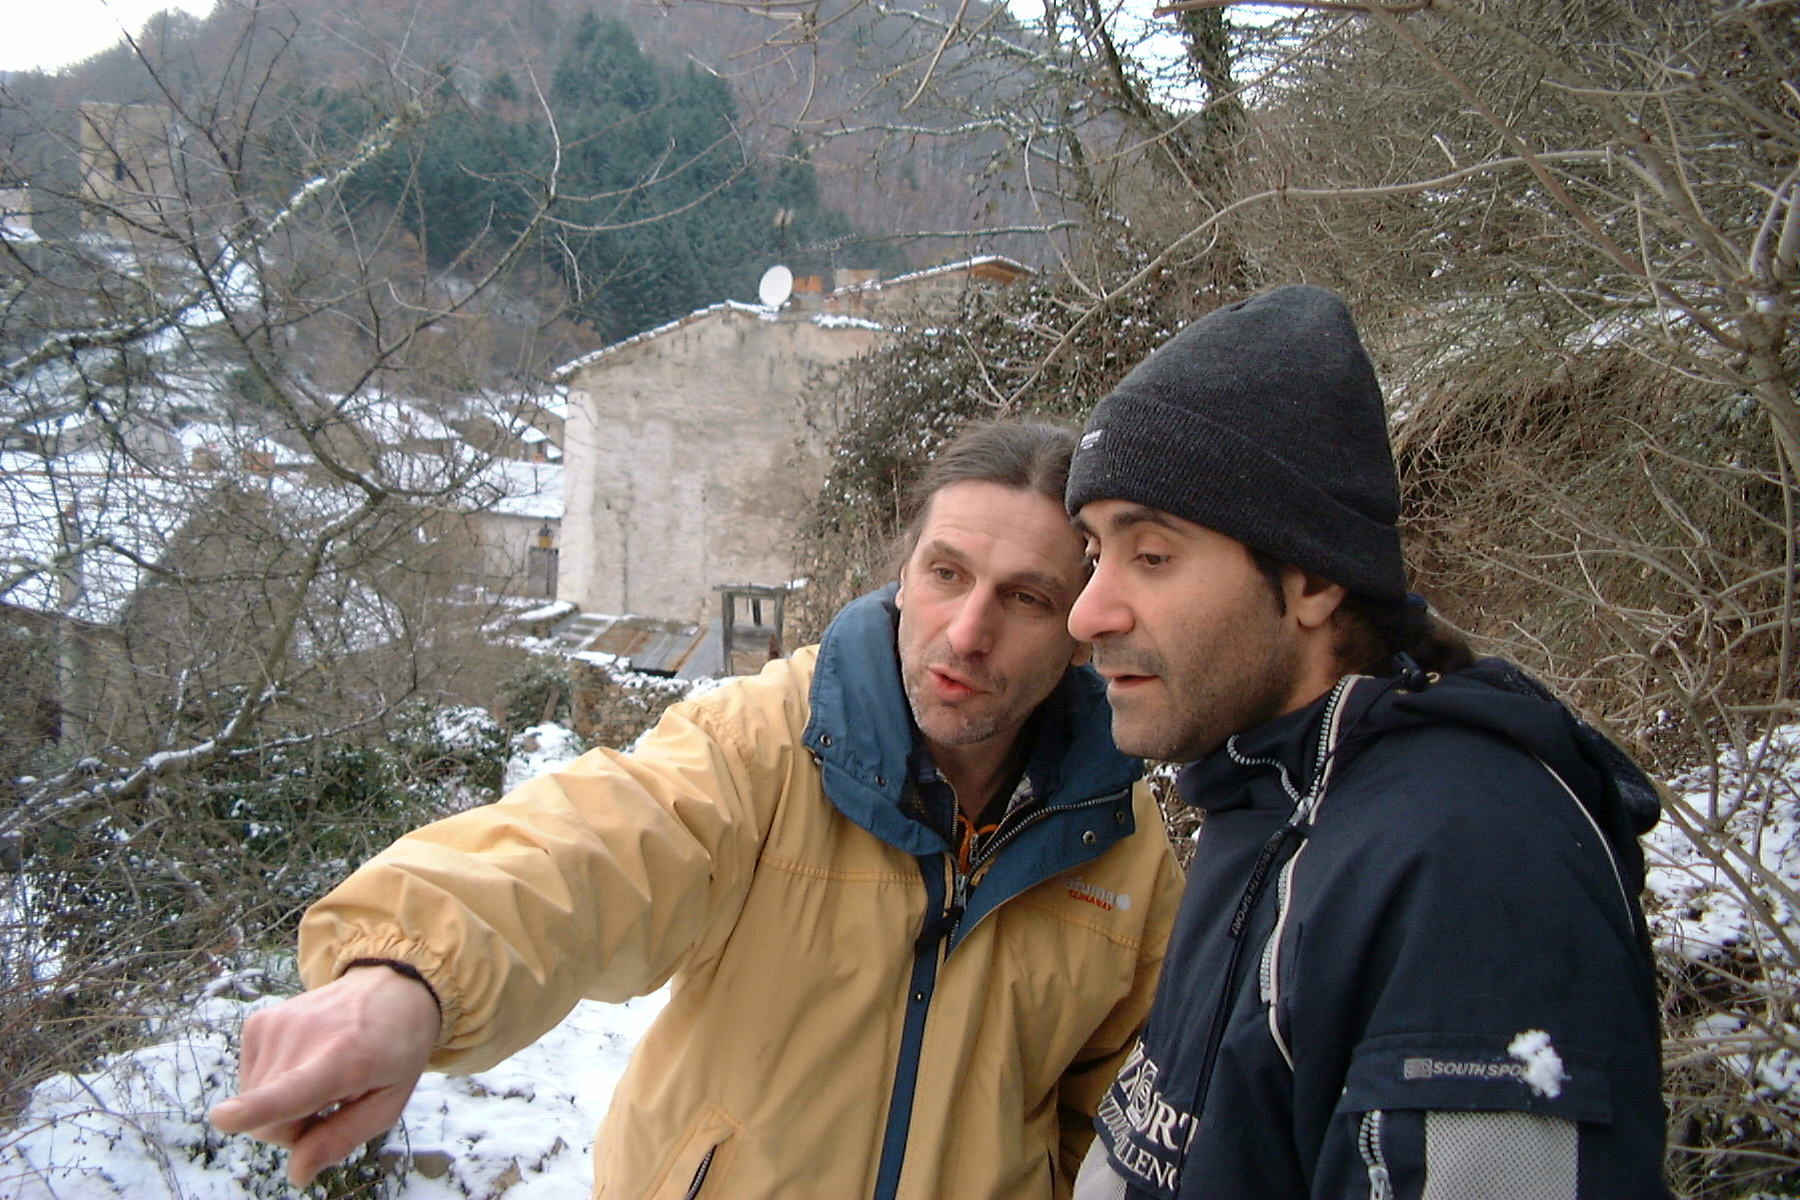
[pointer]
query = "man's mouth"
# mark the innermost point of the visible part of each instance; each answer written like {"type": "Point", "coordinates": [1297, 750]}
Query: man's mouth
{"type": "Point", "coordinates": [1122, 675]}
{"type": "Point", "coordinates": [953, 686]}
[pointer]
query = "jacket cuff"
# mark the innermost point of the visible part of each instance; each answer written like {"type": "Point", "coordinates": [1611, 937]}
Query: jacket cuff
{"type": "Point", "coordinates": [399, 968]}
{"type": "Point", "coordinates": [322, 964]}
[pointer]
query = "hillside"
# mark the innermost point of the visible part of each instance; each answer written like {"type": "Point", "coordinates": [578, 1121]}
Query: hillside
{"type": "Point", "coordinates": [832, 97]}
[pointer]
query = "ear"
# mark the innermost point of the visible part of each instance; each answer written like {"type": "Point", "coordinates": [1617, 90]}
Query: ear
{"type": "Point", "coordinates": [1310, 599]}
{"type": "Point", "coordinates": [900, 593]}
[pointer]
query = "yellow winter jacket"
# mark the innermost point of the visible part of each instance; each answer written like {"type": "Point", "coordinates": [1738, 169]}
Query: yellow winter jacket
{"type": "Point", "coordinates": [849, 1018]}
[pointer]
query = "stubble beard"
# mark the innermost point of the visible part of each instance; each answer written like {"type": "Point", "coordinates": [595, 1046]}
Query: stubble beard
{"type": "Point", "coordinates": [1231, 681]}
{"type": "Point", "coordinates": [950, 726]}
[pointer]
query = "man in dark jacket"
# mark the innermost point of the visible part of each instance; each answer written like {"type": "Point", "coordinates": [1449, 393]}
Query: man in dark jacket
{"type": "Point", "coordinates": [1411, 961]}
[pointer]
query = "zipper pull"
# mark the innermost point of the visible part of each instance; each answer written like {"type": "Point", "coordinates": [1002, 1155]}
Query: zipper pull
{"type": "Point", "coordinates": [942, 925]}
{"type": "Point", "coordinates": [1368, 1144]}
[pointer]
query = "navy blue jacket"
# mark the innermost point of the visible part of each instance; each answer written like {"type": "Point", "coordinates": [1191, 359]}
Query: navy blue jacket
{"type": "Point", "coordinates": [1390, 887]}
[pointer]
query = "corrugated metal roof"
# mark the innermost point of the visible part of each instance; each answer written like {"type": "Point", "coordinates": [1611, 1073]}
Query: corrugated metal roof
{"type": "Point", "coordinates": [648, 643]}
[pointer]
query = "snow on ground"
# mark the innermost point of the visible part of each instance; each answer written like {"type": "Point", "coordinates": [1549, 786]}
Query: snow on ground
{"type": "Point", "coordinates": [1756, 796]}
{"type": "Point", "coordinates": [538, 749]}
{"type": "Point", "coordinates": [134, 1126]}
{"type": "Point", "coordinates": [1736, 910]}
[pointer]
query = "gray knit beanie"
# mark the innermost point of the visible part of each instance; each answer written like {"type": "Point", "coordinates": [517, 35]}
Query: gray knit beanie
{"type": "Point", "coordinates": [1262, 421]}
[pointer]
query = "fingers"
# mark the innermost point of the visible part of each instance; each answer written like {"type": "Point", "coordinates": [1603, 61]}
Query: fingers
{"type": "Point", "coordinates": [290, 1099]}
{"type": "Point", "coordinates": [328, 1070]}
{"type": "Point", "coordinates": [325, 1140]}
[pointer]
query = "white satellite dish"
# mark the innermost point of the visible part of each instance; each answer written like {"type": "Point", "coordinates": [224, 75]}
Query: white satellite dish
{"type": "Point", "coordinates": [776, 286]}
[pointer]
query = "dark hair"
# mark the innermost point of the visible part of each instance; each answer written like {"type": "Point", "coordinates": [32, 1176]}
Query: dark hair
{"type": "Point", "coordinates": [1030, 456]}
{"type": "Point", "coordinates": [1369, 631]}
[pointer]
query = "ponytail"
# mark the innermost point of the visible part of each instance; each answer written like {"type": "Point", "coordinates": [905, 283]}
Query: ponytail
{"type": "Point", "coordinates": [1372, 633]}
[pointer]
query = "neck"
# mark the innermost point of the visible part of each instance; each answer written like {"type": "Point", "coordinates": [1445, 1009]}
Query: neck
{"type": "Point", "coordinates": [975, 773]}
{"type": "Point", "coordinates": [1318, 672]}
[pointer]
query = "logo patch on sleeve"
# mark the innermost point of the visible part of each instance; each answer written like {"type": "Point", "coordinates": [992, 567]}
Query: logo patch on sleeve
{"type": "Point", "coordinates": [1441, 1068]}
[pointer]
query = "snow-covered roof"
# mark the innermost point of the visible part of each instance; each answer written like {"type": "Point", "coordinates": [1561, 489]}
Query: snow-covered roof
{"type": "Point", "coordinates": [983, 263]}
{"type": "Point", "coordinates": [514, 488]}
{"type": "Point", "coordinates": [392, 419]}
{"type": "Point", "coordinates": [568, 369]}
{"type": "Point", "coordinates": [840, 321]}
{"type": "Point", "coordinates": [995, 264]}
{"type": "Point", "coordinates": [100, 520]}
{"type": "Point", "coordinates": [236, 440]}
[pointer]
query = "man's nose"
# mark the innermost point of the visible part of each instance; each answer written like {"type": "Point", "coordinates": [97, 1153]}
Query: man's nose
{"type": "Point", "coordinates": [1100, 610]}
{"type": "Point", "coordinates": [971, 631]}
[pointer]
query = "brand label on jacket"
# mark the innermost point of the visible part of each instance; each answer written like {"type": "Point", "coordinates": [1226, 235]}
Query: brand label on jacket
{"type": "Point", "coordinates": [1145, 1133]}
{"type": "Point", "coordinates": [1094, 894]}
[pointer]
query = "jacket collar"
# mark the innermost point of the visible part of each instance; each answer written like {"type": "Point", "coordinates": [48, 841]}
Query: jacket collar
{"type": "Point", "coordinates": [860, 730]}
{"type": "Point", "coordinates": [1289, 746]}
{"type": "Point", "coordinates": [1491, 695]}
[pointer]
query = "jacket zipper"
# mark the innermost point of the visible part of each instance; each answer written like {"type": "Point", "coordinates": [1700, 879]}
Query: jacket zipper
{"type": "Point", "coordinates": [928, 956]}
{"type": "Point", "coordinates": [700, 1175]}
{"type": "Point", "coordinates": [1368, 1144]}
{"type": "Point", "coordinates": [1330, 734]}
{"type": "Point", "coordinates": [1294, 830]}
{"type": "Point", "coordinates": [1004, 834]}
{"type": "Point", "coordinates": [929, 953]}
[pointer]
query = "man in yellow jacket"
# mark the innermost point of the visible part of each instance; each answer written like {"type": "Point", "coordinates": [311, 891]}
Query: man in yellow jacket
{"type": "Point", "coordinates": [912, 899]}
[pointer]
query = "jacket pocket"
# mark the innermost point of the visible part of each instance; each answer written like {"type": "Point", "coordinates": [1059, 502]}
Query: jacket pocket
{"type": "Point", "coordinates": [701, 1163]}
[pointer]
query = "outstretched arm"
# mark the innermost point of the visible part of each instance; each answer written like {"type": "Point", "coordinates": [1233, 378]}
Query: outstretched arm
{"type": "Point", "coordinates": [326, 1071]}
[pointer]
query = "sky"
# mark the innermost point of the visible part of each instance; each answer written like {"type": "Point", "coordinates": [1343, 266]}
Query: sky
{"type": "Point", "coordinates": [51, 36]}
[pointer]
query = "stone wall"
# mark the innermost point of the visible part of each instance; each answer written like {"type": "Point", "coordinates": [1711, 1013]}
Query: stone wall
{"type": "Point", "coordinates": [689, 452]}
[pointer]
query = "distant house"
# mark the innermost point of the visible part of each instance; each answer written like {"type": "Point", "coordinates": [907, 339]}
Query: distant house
{"type": "Point", "coordinates": [516, 525]}
{"type": "Point", "coordinates": [690, 448]}
{"type": "Point", "coordinates": [129, 157]}
{"type": "Point", "coordinates": [89, 528]}
{"type": "Point", "coordinates": [16, 213]}
{"type": "Point", "coordinates": [80, 535]}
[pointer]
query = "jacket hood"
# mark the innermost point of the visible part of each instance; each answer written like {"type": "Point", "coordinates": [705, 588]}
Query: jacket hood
{"type": "Point", "coordinates": [861, 729]}
{"type": "Point", "coordinates": [1495, 695]}
{"type": "Point", "coordinates": [1492, 695]}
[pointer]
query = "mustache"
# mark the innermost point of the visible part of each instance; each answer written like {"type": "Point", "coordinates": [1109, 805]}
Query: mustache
{"type": "Point", "coordinates": [1126, 662]}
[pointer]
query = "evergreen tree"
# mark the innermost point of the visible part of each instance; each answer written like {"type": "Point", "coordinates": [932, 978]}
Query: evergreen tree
{"type": "Point", "coordinates": [662, 211]}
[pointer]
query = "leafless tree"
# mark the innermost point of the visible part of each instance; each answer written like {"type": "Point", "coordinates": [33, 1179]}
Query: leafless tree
{"type": "Point", "coordinates": [248, 429]}
{"type": "Point", "coordinates": [1572, 232]}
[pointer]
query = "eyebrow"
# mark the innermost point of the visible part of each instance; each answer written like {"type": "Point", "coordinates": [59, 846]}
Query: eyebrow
{"type": "Point", "coordinates": [938, 548]}
{"type": "Point", "coordinates": [1125, 518]}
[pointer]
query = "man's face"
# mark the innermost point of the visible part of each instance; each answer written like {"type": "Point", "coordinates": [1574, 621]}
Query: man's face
{"type": "Point", "coordinates": [1186, 630]}
{"type": "Point", "coordinates": [984, 605]}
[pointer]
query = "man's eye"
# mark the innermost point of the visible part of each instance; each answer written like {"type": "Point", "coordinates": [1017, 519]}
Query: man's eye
{"type": "Point", "coordinates": [1152, 560]}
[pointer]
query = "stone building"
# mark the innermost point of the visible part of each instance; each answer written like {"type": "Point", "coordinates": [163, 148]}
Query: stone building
{"type": "Point", "coordinates": [691, 448]}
